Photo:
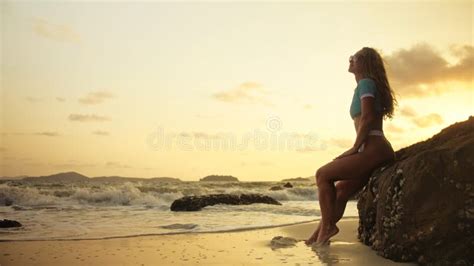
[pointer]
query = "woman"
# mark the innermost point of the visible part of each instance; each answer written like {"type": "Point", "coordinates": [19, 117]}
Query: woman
{"type": "Point", "coordinates": [373, 101]}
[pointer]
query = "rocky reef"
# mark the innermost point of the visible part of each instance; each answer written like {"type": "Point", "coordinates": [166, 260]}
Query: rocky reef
{"type": "Point", "coordinates": [420, 207]}
{"type": "Point", "coordinates": [5, 223]}
{"type": "Point", "coordinates": [196, 203]}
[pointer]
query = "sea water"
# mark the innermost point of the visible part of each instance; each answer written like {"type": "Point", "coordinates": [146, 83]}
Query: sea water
{"type": "Point", "coordinates": [98, 210]}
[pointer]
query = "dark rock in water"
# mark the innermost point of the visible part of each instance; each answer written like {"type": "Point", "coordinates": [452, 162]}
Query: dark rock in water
{"type": "Point", "coordinates": [282, 242]}
{"type": "Point", "coordinates": [9, 223]}
{"type": "Point", "coordinates": [420, 207]}
{"type": "Point", "coordinates": [276, 188]}
{"type": "Point", "coordinates": [7, 202]}
{"type": "Point", "coordinates": [287, 185]}
{"type": "Point", "coordinates": [63, 194]}
{"type": "Point", "coordinates": [196, 203]}
{"type": "Point", "coordinates": [19, 208]}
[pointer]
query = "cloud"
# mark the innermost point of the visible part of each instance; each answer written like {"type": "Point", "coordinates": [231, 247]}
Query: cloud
{"type": "Point", "coordinates": [308, 149]}
{"type": "Point", "coordinates": [259, 163]}
{"type": "Point", "coordinates": [428, 120]}
{"type": "Point", "coordinates": [203, 140]}
{"type": "Point", "coordinates": [307, 106]}
{"type": "Point", "coordinates": [342, 142]}
{"type": "Point", "coordinates": [73, 165]}
{"type": "Point", "coordinates": [410, 114]}
{"type": "Point", "coordinates": [33, 164]}
{"type": "Point", "coordinates": [465, 67]}
{"type": "Point", "coordinates": [14, 158]}
{"type": "Point", "coordinates": [101, 133]}
{"type": "Point", "coordinates": [6, 134]}
{"type": "Point", "coordinates": [56, 32]}
{"type": "Point", "coordinates": [415, 71]}
{"type": "Point", "coordinates": [88, 118]}
{"type": "Point", "coordinates": [393, 129]}
{"type": "Point", "coordinates": [247, 92]}
{"type": "Point", "coordinates": [184, 134]}
{"type": "Point", "coordinates": [117, 165]}
{"type": "Point", "coordinates": [407, 111]}
{"type": "Point", "coordinates": [47, 133]}
{"type": "Point", "coordinates": [33, 99]}
{"type": "Point", "coordinates": [96, 97]}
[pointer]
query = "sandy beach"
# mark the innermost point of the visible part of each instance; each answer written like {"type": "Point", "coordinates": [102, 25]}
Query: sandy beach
{"type": "Point", "coordinates": [250, 247]}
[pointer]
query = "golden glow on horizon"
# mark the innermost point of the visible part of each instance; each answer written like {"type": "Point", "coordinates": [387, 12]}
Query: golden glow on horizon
{"type": "Point", "coordinates": [86, 85]}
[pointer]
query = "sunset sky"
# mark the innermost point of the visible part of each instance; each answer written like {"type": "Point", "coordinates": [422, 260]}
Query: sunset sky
{"type": "Point", "coordinates": [154, 89]}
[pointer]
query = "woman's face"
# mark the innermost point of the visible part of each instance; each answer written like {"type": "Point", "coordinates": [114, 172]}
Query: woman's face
{"type": "Point", "coordinates": [355, 65]}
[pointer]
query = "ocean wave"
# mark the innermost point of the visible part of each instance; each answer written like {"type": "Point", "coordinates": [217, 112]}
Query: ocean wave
{"type": "Point", "coordinates": [146, 194]}
{"type": "Point", "coordinates": [28, 196]}
{"type": "Point", "coordinates": [123, 195]}
{"type": "Point", "coordinates": [294, 194]}
{"type": "Point", "coordinates": [287, 194]}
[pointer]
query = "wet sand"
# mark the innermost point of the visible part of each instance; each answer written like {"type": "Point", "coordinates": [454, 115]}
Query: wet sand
{"type": "Point", "coordinates": [251, 247]}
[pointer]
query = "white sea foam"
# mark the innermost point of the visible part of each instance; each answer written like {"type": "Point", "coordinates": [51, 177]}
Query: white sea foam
{"type": "Point", "coordinates": [137, 193]}
{"type": "Point", "coordinates": [124, 195]}
{"type": "Point", "coordinates": [27, 196]}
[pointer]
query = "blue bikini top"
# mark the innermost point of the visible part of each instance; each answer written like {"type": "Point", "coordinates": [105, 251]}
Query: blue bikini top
{"type": "Point", "coordinates": [365, 88]}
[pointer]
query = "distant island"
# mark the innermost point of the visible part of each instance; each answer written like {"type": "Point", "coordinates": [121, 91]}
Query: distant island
{"type": "Point", "coordinates": [298, 179]}
{"type": "Point", "coordinates": [76, 177]}
{"type": "Point", "coordinates": [18, 177]}
{"type": "Point", "coordinates": [60, 177]}
{"type": "Point", "coordinates": [212, 178]}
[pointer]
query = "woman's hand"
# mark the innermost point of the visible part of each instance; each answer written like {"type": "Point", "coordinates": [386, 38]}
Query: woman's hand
{"type": "Point", "coordinates": [350, 151]}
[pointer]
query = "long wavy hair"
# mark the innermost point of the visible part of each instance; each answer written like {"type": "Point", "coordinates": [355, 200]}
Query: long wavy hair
{"type": "Point", "coordinates": [373, 67]}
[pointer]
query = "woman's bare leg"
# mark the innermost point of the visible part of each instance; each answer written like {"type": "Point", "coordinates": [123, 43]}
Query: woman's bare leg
{"type": "Point", "coordinates": [327, 202]}
{"type": "Point", "coordinates": [357, 168]}
{"type": "Point", "coordinates": [338, 213]}
{"type": "Point", "coordinates": [344, 190]}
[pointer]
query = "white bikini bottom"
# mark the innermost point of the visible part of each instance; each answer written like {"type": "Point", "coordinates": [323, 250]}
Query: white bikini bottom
{"type": "Point", "coordinates": [373, 132]}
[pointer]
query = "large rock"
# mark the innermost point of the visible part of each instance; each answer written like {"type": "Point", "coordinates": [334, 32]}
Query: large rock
{"type": "Point", "coordinates": [9, 223]}
{"type": "Point", "coordinates": [420, 207]}
{"type": "Point", "coordinates": [196, 203]}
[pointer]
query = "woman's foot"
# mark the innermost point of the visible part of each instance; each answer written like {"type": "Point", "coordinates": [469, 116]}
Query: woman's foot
{"type": "Point", "coordinates": [326, 233]}
{"type": "Point", "coordinates": [313, 237]}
